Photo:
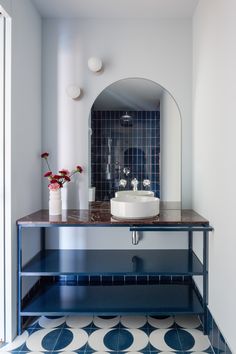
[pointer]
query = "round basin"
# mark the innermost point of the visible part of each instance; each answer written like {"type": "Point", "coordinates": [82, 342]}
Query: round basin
{"type": "Point", "coordinates": [135, 206]}
{"type": "Point", "coordinates": [135, 193]}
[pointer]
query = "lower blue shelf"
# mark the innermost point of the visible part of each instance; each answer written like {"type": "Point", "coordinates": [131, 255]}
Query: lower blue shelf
{"type": "Point", "coordinates": [56, 300]}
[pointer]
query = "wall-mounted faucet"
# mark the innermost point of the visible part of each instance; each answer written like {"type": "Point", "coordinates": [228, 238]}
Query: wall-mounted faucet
{"type": "Point", "coordinates": [126, 171]}
{"type": "Point", "coordinates": [122, 183]}
{"type": "Point", "coordinates": [146, 183]}
{"type": "Point", "coordinates": [134, 184]}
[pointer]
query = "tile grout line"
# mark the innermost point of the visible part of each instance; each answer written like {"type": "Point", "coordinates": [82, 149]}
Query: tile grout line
{"type": "Point", "coordinates": [58, 336]}
{"type": "Point", "coordinates": [177, 330]}
{"type": "Point", "coordinates": [91, 327]}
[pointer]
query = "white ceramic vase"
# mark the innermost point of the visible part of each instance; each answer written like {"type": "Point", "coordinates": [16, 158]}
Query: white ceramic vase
{"type": "Point", "coordinates": [55, 204]}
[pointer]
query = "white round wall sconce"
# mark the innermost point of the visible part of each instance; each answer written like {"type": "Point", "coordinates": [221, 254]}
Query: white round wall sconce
{"type": "Point", "coordinates": [73, 91]}
{"type": "Point", "coordinates": [95, 64]}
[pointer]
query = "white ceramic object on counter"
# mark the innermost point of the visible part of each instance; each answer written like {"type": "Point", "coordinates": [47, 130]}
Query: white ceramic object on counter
{"type": "Point", "coordinates": [55, 203]}
{"type": "Point", "coordinates": [129, 206]}
{"type": "Point", "coordinates": [135, 193]}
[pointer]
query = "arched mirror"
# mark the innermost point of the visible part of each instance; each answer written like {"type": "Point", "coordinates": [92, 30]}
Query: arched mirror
{"type": "Point", "coordinates": [135, 132]}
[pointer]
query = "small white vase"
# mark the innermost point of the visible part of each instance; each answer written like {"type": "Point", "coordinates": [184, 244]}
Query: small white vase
{"type": "Point", "coordinates": [55, 204]}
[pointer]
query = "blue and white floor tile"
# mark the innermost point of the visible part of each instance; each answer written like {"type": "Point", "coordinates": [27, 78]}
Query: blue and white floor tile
{"type": "Point", "coordinates": [114, 334]}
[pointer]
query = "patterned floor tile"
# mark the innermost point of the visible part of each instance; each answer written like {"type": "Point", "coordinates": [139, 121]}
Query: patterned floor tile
{"type": "Point", "coordinates": [42, 340]}
{"type": "Point", "coordinates": [165, 340]}
{"type": "Point", "coordinates": [187, 322]}
{"type": "Point", "coordinates": [106, 321]}
{"type": "Point", "coordinates": [193, 340]}
{"type": "Point", "coordinates": [73, 339]}
{"type": "Point", "coordinates": [112, 335]}
{"type": "Point", "coordinates": [161, 321]}
{"type": "Point", "coordinates": [79, 321]}
{"type": "Point", "coordinates": [51, 322]}
{"type": "Point", "coordinates": [133, 321]}
{"type": "Point", "coordinates": [16, 344]}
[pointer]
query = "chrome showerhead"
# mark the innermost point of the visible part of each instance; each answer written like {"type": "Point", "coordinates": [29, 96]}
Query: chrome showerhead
{"type": "Point", "coordinates": [126, 120]}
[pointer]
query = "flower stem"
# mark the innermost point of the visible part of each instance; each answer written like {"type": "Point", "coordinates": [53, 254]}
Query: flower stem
{"type": "Point", "coordinates": [48, 165]}
{"type": "Point", "coordinates": [73, 173]}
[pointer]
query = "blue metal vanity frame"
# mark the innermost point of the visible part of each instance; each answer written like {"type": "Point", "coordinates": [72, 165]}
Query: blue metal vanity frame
{"type": "Point", "coordinates": [42, 302]}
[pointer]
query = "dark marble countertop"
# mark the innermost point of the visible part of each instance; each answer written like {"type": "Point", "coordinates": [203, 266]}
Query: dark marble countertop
{"type": "Point", "coordinates": [98, 214]}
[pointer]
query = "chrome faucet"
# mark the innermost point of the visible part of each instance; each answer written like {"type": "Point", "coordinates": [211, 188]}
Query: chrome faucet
{"type": "Point", "coordinates": [122, 183]}
{"type": "Point", "coordinates": [134, 184]}
{"type": "Point", "coordinates": [126, 171]}
{"type": "Point", "coordinates": [146, 183]}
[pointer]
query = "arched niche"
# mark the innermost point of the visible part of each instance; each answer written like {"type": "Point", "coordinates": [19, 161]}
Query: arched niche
{"type": "Point", "coordinates": [135, 124]}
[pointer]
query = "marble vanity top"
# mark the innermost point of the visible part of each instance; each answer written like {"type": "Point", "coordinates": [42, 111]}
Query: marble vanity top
{"type": "Point", "coordinates": [98, 214]}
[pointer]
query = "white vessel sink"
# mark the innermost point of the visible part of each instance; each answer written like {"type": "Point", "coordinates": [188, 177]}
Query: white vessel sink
{"type": "Point", "coordinates": [129, 206]}
{"type": "Point", "coordinates": [135, 193]}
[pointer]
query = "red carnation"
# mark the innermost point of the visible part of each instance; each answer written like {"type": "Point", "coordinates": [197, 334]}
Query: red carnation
{"type": "Point", "coordinates": [44, 155]}
{"type": "Point", "coordinates": [79, 169]}
{"type": "Point", "coordinates": [57, 176]}
{"type": "Point", "coordinates": [53, 181]}
{"type": "Point", "coordinates": [47, 174]}
{"type": "Point", "coordinates": [63, 176]}
{"type": "Point", "coordinates": [64, 172]}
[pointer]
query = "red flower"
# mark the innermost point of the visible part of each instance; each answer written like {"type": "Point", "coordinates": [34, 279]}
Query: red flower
{"type": "Point", "coordinates": [53, 181]}
{"type": "Point", "coordinates": [57, 176]}
{"type": "Point", "coordinates": [58, 180]}
{"type": "Point", "coordinates": [79, 169]}
{"type": "Point", "coordinates": [54, 186]}
{"type": "Point", "coordinates": [44, 155]}
{"type": "Point", "coordinates": [64, 172]}
{"type": "Point", "coordinates": [47, 174]}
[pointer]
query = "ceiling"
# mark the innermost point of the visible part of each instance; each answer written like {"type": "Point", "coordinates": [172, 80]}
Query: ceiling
{"type": "Point", "coordinates": [116, 8]}
{"type": "Point", "coordinates": [132, 94]}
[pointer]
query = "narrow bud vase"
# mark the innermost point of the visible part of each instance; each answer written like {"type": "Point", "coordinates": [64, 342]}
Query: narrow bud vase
{"type": "Point", "coordinates": [55, 204]}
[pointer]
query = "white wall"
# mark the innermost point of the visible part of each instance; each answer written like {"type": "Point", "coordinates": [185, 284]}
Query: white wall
{"type": "Point", "coordinates": [170, 150]}
{"type": "Point", "coordinates": [23, 139]}
{"type": "Point", "coordinates": [6, 6]}
{"type": "Point", "coordinates": [155, 50]}
{"type": "Point", "coordinates": [214, 166]}
{"type": "Point", "coordinates": [2, 187]}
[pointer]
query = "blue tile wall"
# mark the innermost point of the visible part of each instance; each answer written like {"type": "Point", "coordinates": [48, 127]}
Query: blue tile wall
{"type": "Point", "coordinates": [120, 279]}
{"type": "Point", "coordinates": [216, 338]}
{"type": "Point", "coordinates": [135, 144]}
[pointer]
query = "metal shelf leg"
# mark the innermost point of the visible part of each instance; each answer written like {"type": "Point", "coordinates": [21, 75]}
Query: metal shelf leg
{"type": "Point", "coordinates": [190, 240]}
{"type": "Point", "coordinates": [205, 280]}
{"type": "Point", "coordinates": [19, 290]}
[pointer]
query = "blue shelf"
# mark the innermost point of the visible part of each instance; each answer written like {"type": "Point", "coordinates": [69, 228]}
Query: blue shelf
{"type": "Point", "coordinates": [112, 262]}
{"type": "Point", "coordinates": [169, 299]}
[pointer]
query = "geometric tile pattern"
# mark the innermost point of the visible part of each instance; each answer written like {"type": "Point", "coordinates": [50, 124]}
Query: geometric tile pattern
{"type": "Point", "coordinates": [113, 334]}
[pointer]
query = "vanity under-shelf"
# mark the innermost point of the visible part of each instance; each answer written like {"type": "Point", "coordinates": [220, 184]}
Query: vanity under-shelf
{"type": "Point", "coordinates": [114, 282]}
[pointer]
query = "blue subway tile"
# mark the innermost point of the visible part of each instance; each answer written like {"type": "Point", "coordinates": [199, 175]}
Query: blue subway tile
{"type": "Point", "coordinates": [215, 337]}
{"type": "Point", "coordinates": [130, 146]}
{"type": "Point", "coordinates": [227, 350]}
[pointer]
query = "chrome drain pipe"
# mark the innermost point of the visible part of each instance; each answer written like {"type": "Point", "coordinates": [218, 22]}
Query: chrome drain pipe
{"type": "Point", "coordinates": [135, 237]}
